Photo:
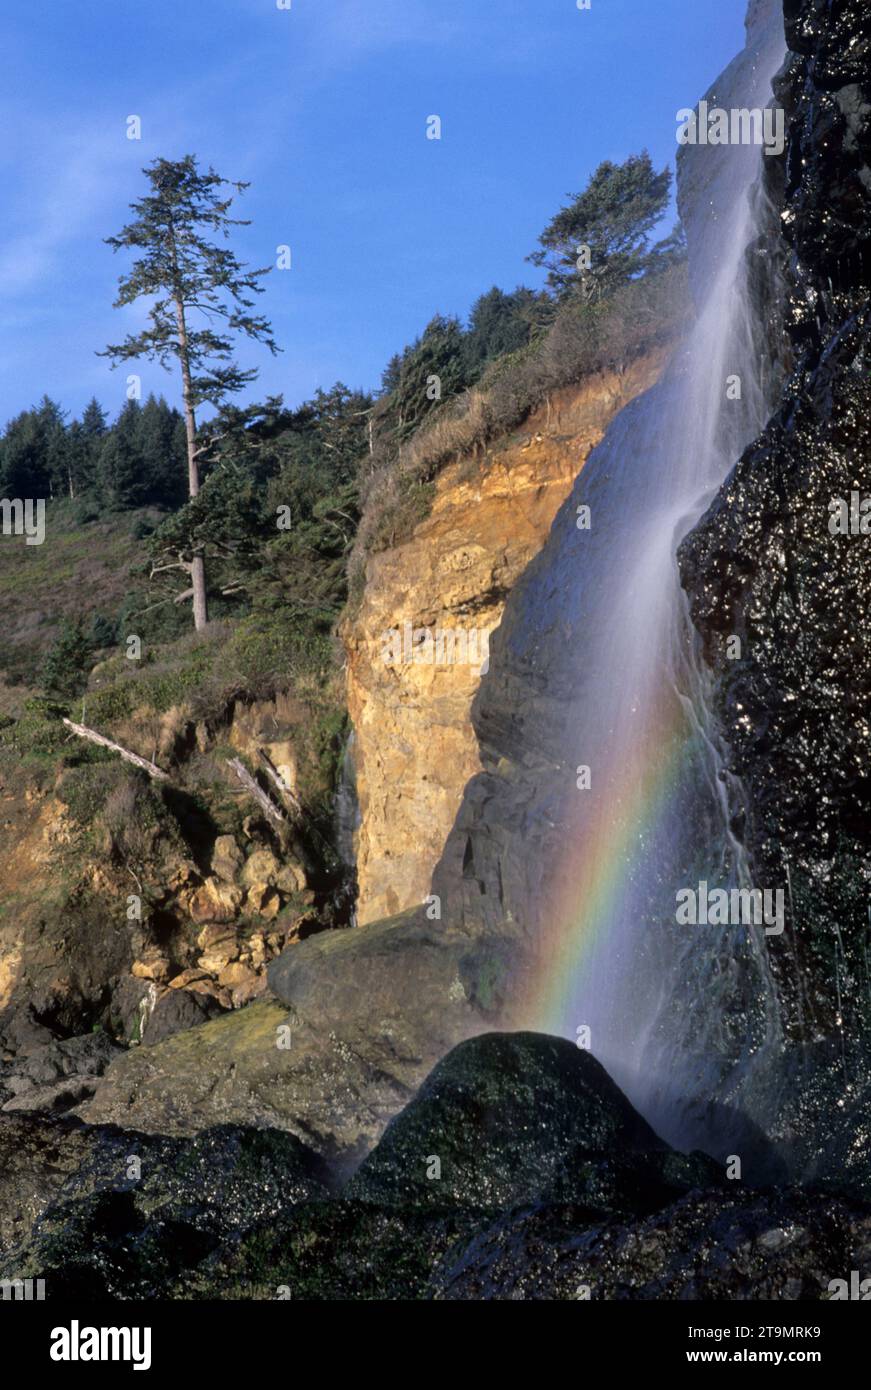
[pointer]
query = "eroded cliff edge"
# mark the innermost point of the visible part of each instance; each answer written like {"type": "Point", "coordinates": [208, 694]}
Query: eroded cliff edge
{"type": "Point", "coordinates": [414, 746]}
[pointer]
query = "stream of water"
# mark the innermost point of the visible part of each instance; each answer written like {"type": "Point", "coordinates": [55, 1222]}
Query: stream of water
{"type": "Point", "coordinates": [677, 1015]}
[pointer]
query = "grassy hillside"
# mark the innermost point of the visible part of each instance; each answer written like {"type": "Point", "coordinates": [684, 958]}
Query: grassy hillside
{"type": "Point", "coordinates": [82, 570]}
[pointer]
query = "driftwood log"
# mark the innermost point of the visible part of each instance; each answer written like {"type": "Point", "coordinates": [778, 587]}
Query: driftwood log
{"type": "Point", "coordinates": [93, 737]}
{"type": "Point", "coordinates": [286, 792]}
{"type": "Point", "coordinates": [266, 804]}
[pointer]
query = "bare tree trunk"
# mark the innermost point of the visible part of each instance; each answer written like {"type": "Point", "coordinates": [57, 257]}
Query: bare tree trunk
{"type": "Point", "coordinates": [198, 569]}
{"type": "Point", "coordinates": [286, 792]}
{"type": "Point", "coordinates": [267, 806]}
{"type": "Point", "coordinates": [93, 737]}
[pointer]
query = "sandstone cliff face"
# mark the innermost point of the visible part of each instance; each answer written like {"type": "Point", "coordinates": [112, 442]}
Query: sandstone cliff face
{"type": "Point", "coordinates": [415, 748]}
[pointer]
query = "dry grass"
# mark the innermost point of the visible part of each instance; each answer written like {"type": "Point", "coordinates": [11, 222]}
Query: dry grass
{"type": "Point", "coordinates": [581, 342]}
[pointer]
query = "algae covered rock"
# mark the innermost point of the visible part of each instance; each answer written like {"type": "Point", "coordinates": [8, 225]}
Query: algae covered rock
{"type": "Point", "coordinates": [510, 1118]}
{"type": "Point", "coordinates": [142, 1212]}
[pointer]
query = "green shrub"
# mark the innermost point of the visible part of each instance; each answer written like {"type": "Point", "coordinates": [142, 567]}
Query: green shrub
{"type": "Point", "coordinates": [84, 789]}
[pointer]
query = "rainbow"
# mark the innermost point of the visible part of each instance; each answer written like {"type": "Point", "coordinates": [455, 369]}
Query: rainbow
{"type": "Point", "coordinates": [597, 868]}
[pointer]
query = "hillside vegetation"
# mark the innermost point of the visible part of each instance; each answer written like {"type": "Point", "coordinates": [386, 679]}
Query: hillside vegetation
{"type": "Point", "coordinates": [290, 504]}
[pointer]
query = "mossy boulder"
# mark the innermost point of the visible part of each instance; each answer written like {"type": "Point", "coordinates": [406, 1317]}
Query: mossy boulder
{"type": "Point", "coordinates": [512, 1118]}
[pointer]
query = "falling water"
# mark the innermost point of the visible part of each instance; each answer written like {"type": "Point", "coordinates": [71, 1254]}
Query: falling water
{"type": "Point", "coordinates": [677, 1014]}
{"type": "Point", "coordinates": [346, 822]}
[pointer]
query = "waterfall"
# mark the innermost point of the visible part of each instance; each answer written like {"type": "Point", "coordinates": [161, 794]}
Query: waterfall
{"type": "Point", "coordinates": [346, 823]}
{"type": "Point", "coordinates": [676, 1013]}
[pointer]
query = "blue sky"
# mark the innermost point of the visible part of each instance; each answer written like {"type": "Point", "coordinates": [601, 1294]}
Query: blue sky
{"type": "Point", "coordinates": [323, 107]}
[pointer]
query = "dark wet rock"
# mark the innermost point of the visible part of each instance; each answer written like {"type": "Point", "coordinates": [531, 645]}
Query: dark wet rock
{"type": "Point", "coordinates": [551, 1185]}
{"type": "Point", "coordinates": [707, 1246]}
{"type": "Point", "coordinates": [141, 1212]}
{"type": "Point", "coordinates": [177, 1010]}
{"type": "Point", "coordinates": [37, 1156]}
{"type": "Point", "coordinates": [521, 1117]}
{"type": "Point", "coordinates": [332, 1250]}
{"type": "Point", "coordinates": [764, 565]}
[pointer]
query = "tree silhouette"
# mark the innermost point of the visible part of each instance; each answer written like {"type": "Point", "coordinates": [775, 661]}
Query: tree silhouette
{"type": "Point", "coordinates": [202, 297]}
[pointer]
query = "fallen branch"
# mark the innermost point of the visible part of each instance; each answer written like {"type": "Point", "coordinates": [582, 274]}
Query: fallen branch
{"type": "Point", "coordinates": [151, 768]}
{"type": "Point", "coordinates": [284, 790]}
{"type": "Point", "coordinates": [266, 804]}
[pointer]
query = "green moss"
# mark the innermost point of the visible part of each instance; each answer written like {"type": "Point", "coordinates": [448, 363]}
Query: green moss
{"type": "Point", "coordinates": [84, 789]}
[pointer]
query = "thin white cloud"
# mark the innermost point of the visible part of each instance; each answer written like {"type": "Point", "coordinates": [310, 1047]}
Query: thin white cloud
{"type": "Point", "coordinates": [62, 184]}
{"type": "Point", "coordinates": [357, 26]}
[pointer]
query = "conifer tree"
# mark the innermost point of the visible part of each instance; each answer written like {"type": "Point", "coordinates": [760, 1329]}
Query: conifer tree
{"type": "Point", "coordinates": [24, 464]}
{"type": "Point", "coordinates": [86, 438]}
{"type": "Point", "coordinates": [121, 474]}
{"type": "Point", "coordinates": [202, 298]}
{"type": "Point", "coordinates": [51, 422]}
{"type": "Point", "coordinates": [614, 218]}
{"type": "Point", "coordinates": [162, 460]}
{"type": "Point", "coordinates": [93, 419]}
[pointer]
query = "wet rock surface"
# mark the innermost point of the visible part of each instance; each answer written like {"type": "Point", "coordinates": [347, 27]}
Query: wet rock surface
{"type": "Point", "coordinates": [704, 1247]}
{"type": "Point", "coordinates": [549, 1186]}
{"type": "Point", "coordinates": [778, 562]}
{"type": "Point", "coordinates": [491, 1103]}
{"type": "Point", "coordinates": [139, 1212]}
{"type": "Point", "coordinates": [359, 1019]}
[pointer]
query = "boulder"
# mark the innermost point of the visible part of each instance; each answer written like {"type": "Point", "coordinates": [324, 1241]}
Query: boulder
{"type": "Point", "coordinates": [157, 969]}
{"type": "Point", "coordinates": [187, 977]}
{"type": "Point", "coordinates": [227, 858]}
{"type": "Point", "coordinates": [142, 1231]}
{"type": "Point", "coordinates": [260, 869]}
{"type": "Point", "coordinates": [58, 1097]}
{"type": "Point", "coordinates": [215, 901]}
{"type": "Point", "coordinates": [218, 945]}
{"type": "Point", "coordinates": [236, 974]}
{"type": "Point", "coordinates": [263, 870]}
{"type": "Point", "coordinates": [177, 1010]}
{"type": "Point", "coordinates": [509, 1118]}
{"type": "Point", "coordinates": [364, 1015]}
{"type": "Point", "coordinates": [710, 1247]}
{"type": "Point", "coordinates": [263, 900]}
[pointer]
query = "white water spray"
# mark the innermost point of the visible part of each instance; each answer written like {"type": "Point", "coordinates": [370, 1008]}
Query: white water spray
{"type": "Point", "coordinates": [658, 1002]}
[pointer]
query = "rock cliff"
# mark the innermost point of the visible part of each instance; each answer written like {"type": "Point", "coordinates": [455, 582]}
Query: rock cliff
{"type": "Point", "coordinates": [781, 560]}
{"type": "Point", "coordinates": [414, 747]}
{"type": "Point", "coordinates": [771, 562]}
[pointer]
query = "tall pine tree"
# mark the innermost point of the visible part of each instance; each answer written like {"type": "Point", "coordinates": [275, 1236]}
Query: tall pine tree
{"type": "Point", "coordinates": [193, 282]}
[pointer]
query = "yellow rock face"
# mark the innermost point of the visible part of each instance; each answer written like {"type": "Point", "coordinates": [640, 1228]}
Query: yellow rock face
{"type": "Point", "coordinates": [416, 647]}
